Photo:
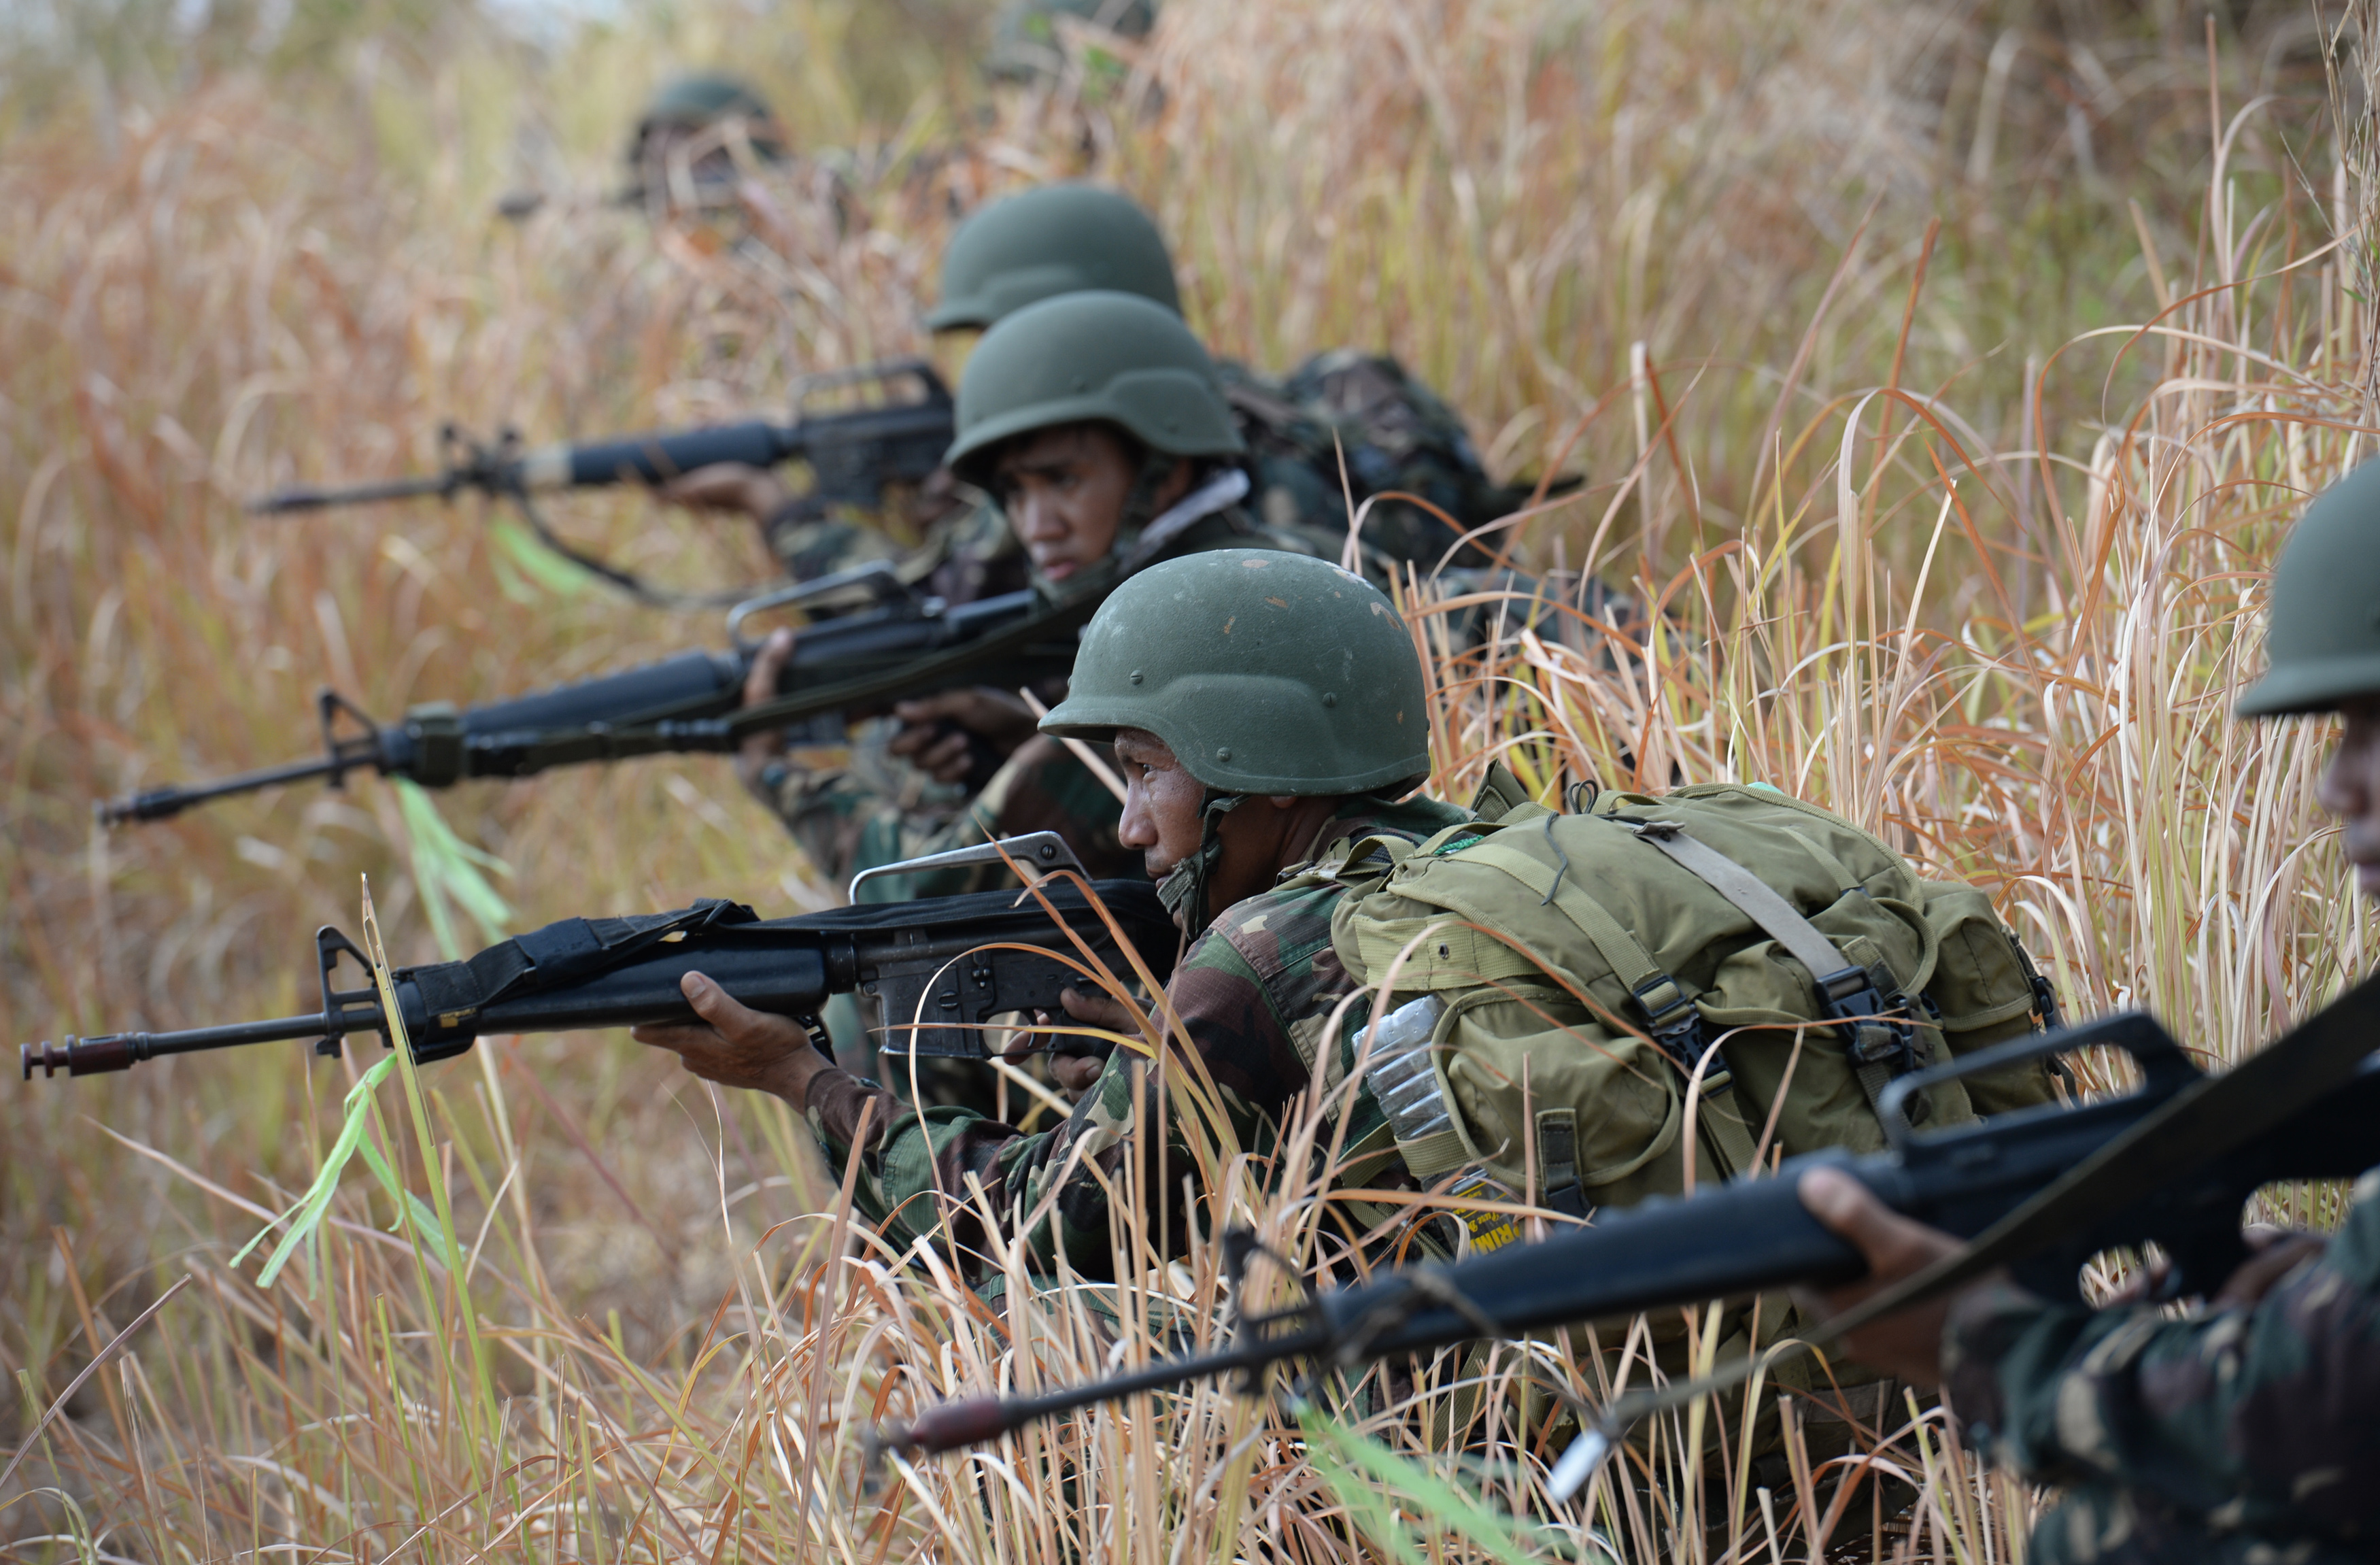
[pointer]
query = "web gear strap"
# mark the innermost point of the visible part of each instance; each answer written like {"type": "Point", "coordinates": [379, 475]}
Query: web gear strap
{"type": "Point", "coordinates": [1880, 1048]}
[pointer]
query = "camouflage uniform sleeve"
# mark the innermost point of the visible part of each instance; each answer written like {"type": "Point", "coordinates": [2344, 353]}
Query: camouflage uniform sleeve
{"type": "Point", "coordinates": [2257, 1419]}
{"type": "Point", "coordinates": [851, 806]}
{"type": "Point", "coordinates": [1242, 992]}
{"type": "Point", "coordinates": [854, 809]}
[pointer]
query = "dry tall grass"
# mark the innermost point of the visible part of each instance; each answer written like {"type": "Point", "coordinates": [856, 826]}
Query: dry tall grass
{"type": "Point", "coordinates": [1942, 561]}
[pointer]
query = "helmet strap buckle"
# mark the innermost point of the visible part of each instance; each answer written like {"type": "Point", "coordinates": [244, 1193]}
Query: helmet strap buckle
{"type": "Point", "coordinates": [1183, 891]}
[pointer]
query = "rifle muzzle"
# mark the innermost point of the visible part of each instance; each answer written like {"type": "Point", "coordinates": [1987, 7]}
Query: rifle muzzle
{"type": "Point", "coordinates": [951, 1426]}
{"type": "Point", "coordinates": [84, 1056]}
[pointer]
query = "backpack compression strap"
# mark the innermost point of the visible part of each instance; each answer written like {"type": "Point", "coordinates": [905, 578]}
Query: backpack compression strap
{"type": "Point", "coordinates": [1674, 1024]}
{"type": "Point", "coordinates": [1880, 1048]}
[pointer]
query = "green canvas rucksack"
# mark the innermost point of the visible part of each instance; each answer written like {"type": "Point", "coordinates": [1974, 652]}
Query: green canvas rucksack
{"type": "Point", "coordinates": [1562, 985]}
{"type": "Point", "coordinates": [1586, 1010]}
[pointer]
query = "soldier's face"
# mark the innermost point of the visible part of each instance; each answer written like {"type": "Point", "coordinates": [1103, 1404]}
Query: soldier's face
{"type": "Point", "coordinates": [2350, 790]}
{"type": "Point", "coordinates": [1064, 491]}
{"type": "Point", "coordinates": [1161, 802]}
{"type": "Point", "coordinates": [1161, 818]}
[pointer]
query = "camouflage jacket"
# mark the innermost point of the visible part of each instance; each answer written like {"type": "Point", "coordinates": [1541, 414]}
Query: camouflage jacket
{"type": "Point", "coordinates": [2234, 1435]}
{"type": "Point", "coordinates": [1395, 435]}
{"type": "Point", "coordinates": [1253, 995]}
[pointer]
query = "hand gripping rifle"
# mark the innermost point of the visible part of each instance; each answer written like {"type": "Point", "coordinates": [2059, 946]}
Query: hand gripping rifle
{"type": "Point", "coordinates": [854, 456]}
{"type": "Point", "coordinates": [2040, 1192]}
{"type": "Point", "coordinates": [905, 645]}
{"type": "Point", "coordinates": [935, 970]}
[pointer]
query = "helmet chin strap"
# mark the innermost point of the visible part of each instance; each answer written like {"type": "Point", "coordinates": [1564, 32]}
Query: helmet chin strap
{"type": "Point", "coordinates": [1183, 889]}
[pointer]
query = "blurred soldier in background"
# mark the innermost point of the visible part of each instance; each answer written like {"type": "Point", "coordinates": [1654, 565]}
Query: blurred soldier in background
{"type": "Point", "coordinates": [1395, 433]}
{"type": "Point", "coordinates": [2248, 1431]}
{"type": "Point", "coordinates": [1027, 44]}
{"type": "Point", "coordinates": [699, 135]}
{"type": "Point", "coordinates": [693, 137]}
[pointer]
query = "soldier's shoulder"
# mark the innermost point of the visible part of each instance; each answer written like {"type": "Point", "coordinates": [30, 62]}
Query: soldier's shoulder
{"type": "Point", "coordinates": [1273, 933]}
{"type": "Point", "coordinates": [1412, 820]}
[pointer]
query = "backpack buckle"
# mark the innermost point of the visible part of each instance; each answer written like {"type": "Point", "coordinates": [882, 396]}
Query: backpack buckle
{"type": "Point", "coordinates": [1676, 1030]}
{"type": "Point", "coordinates": [1878, 1029]}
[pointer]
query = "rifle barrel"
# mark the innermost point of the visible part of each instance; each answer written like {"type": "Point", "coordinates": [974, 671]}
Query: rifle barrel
{"type": "Point", "coordinates": [975, 1420]}
{"type": "Point", "coordinates": [306, 497]}
{"type": "Point", "coordinates": [121, 1052]}
{"type": "Point", "coordinates": [160, 804]}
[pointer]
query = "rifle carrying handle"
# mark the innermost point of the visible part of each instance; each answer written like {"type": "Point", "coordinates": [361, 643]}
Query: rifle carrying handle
{"type": "Point", "coordinates": [2162, 1065]}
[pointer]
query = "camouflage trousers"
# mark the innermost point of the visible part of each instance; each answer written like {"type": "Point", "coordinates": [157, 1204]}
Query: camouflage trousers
{"type": "Point", "coordinates": [2100, 1524]}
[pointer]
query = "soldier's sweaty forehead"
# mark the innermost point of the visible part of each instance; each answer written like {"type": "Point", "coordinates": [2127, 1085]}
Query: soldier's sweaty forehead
{"type": "Point", "coordinates": [1059, 447]}
{"type": "Point", "coordinates": [1138, 746]}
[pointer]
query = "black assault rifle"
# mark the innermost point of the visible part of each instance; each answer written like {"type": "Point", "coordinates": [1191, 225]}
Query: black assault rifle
{"type": "Point", "coordinates": [854, 456]}
{"type": "Point", "coordinates": [1755, 1235]}
{"type": "Point", "coordinates": [905, 645]}
{"type": "Point", "coordinates": [936, 970]}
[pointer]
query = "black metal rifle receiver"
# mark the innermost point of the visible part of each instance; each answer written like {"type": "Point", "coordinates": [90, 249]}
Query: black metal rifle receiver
{"type": "Point", "coordinates": [854, 456]}
{"type": "Point", "coordinates": [937, 971]}
{"type": "Point", "coordinates": [1754, 1235]}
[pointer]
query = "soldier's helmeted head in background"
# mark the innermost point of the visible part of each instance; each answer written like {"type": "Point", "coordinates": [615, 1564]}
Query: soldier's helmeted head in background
{"type": "Point", "coordinates": [1054, 240]}
{"type": "Point", "coordinates": [2323, 642]}
{"type": "Point", "coordinates": [1087, 415]}
{"type": "Point", "coordinates": [692, 133]}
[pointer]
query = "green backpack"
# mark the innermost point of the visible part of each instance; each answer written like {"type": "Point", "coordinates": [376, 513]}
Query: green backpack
{"type": "Point", "coordinates": [1562, 988]}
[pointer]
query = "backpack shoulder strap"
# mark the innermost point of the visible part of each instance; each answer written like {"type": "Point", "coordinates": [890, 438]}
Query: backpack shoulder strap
{"type": "Point", "coordinates": [1879, 1048]}
{"type": "Point", "coordinates": [1674, 1022]}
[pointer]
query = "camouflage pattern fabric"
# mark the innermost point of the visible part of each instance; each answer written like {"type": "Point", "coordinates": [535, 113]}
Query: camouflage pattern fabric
{"type": "Point", "coordinates": [1252, 994]}
{"type": "Point", "coordinates": [2249, 1435]}
{"type": "Point", "coordinates": [858, 807]}
{"type": "Point", "coordinates": [1396, 434]}
{"type": "Point", "coordinates": [969, 546]}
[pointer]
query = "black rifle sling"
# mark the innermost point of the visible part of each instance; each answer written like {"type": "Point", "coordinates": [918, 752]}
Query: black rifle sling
{"type": "Point", "coordinates": [568, 952]}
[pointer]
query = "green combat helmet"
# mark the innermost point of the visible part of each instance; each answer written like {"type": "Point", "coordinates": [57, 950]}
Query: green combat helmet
{"type": "Point", "coordinates": [1111, 357]}
{"type": "Point", "coordinates": [1053, 239]}
{"type": "Point", "coordinates": [1084, 356]}
{"type": "Point", "coordinates": [698, 102]}
{"type": "Point", "coordinates": [1263, 673]}
{"type": "Point", "coordinates": [2324, 640]}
